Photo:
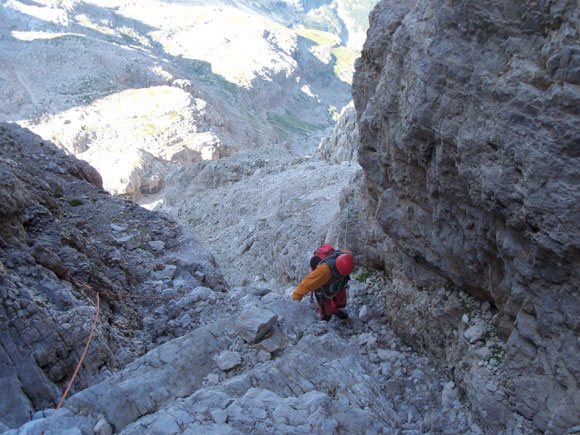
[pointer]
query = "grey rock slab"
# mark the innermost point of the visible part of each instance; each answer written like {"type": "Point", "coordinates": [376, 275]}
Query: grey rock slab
{"type": "Point", "coordinates": [254, 323]}
{"type": "Point", "coordinates": [173, 370]}
{"type": "Point", "coordinates": [220, 416]}
{"type": "Point", "coordinates": [389, 355]}
{"type": "Point", "coordinates": [166, 274]}
{"type": "Point", "coordinates": [129, 242]}
{"type": "Point", "coordinates": [364, 313]}
{"type": "Point", "coordinates": [291, 394]}
{"type": "Point", "coordinates": [156, 245]}
{"type": "Point", "coordinates": [273, 343]}
{"type": "Point", "coordinates": [475, 333]}
{"type": "Point", "coordinates": [264, 356]}
{"type": "Point", "coordinates": [103, 427]}
{"type": "Point", "coordinates": [228, 360]}
{"type": "Point", "coordinates": [197, 294]}
{"type": "Point", "coordinates": [164, 424]}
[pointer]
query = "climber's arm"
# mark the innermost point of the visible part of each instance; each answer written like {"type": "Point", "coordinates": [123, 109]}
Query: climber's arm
{"type": "Point", "coordinates": [313, 281]}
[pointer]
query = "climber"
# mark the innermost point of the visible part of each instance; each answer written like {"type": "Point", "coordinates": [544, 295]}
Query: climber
{"type": "Point", "coordinates": [328, 280]}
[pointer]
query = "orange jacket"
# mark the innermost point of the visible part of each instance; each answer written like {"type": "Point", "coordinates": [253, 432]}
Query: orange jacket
{"type": "Point", "coordinates": [314, 280]}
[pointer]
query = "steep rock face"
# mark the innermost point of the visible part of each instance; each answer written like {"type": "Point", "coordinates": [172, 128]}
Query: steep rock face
{"type": "Point", "coordinates": [57, 225]}
{"type": "Point", "coordinates": [341, 144]}
{"type": "Point", "coordinates": [469, 119]}
{"type": "Point", "coordinates": [250, 360]}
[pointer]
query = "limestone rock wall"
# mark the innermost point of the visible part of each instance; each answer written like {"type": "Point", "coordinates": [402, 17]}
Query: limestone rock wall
{"type": "Point", "coordinates": [58, 225]}
{"type": "Point", "coordinates": [341, 144]}
{"type": "Point", "coordinates": [469, 116]}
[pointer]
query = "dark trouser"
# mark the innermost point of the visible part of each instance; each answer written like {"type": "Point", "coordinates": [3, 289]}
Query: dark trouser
{"type": "Point", "coordinates": [328, 306]}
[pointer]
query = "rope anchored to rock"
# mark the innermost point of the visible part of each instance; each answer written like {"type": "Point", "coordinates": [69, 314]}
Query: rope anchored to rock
{"type": "Point", "coordinates": [98, 293]}
{"type": "Point", "coordinates": [84, 353]}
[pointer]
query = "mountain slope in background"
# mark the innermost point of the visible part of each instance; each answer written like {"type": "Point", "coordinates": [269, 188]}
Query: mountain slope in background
{"type": "Point", "coordinates": [137, 89]}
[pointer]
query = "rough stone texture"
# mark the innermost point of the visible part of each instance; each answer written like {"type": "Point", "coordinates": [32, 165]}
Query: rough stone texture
{"type": "Point", "coordinates": [55, 226]}
{"type": "Point", "coordinates": [228, 360]}
{"type": "Point", "coordinates": [341, 144]}
{"type": "Point", "coordinates": [157, 367]}
{"type": "Point", "coordinates": [253, 324]}
{"type": "Point", "coordinates": [469, 116]}
{"type": "Point", "coordinates": [263, 217]}
{"type": "Point", "coordinates": [319, 380]}
{"type": "Point", "coordinates": [175, 369]}
{"type": "Point", "coordinates": [304, 376]}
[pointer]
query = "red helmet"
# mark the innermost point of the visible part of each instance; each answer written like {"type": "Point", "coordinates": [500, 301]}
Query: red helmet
{"type": "Point", "coordinates": [344, 264]}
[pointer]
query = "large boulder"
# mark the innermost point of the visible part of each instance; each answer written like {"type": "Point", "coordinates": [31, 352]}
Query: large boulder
{"type": "Point", "coordinates": [469, 116]}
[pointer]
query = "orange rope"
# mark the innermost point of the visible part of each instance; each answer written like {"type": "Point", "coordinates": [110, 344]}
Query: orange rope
{"type": "Point", "coordinates": [95, 324]}
{"type": "Point", "coordinates": [82, 357]}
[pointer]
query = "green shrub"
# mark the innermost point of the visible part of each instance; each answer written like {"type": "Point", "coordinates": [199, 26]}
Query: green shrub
{"type": "Point", "coordinates": [363, 276]}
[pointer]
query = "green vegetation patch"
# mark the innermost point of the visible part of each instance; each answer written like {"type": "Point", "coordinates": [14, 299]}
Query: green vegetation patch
{"type": "Point", "coordinates": [175, 116]}
{"type": "Point", "coordinates": [319, 37]}
{"type": "Point", "coordinates": [204, 73]}
{"type": "Point", "coordinates": [344, 58]}
{"type": "Point", "coordinates": [497, 353]}
{"type": "Point", "coordinates": [333, 112]}
{"type": "Point", "coordinates": [324, 18]}
{"type": "Point", "coordinates": [259, 163]}
{"type": "Point", "coordinates": [363, 276]}
{"type": "Point", "coordinates": [287, 123]}
{"type": "Point", "coordinates": [75, 202]}
{"type": "Point", "coordinates": [298, 161]}
{"type": "Point", "coordinates": [150, 130]}
{"type": "Point", "coordinates": [344, 67]}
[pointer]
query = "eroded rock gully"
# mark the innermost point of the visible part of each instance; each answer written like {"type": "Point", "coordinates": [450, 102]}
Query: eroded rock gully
{"type": "Point", "coordinates": [219, 360]}
{"type": "Point", "coordinates": [468, 129]}
{"type": "Point", "coordinates": [58, 226]}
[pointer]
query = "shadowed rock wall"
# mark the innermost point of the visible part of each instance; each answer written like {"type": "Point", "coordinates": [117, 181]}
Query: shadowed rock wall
{"type": "Point", "coordinates": [469, 116]}
{"type": "Point", "coordinates": [57, 225]}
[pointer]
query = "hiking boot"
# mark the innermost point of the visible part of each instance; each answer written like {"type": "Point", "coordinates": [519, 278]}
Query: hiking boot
{"type": "Point", "coordinates": [342, 315]}
{"type": "Point", "coordinates": [325, 318]}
